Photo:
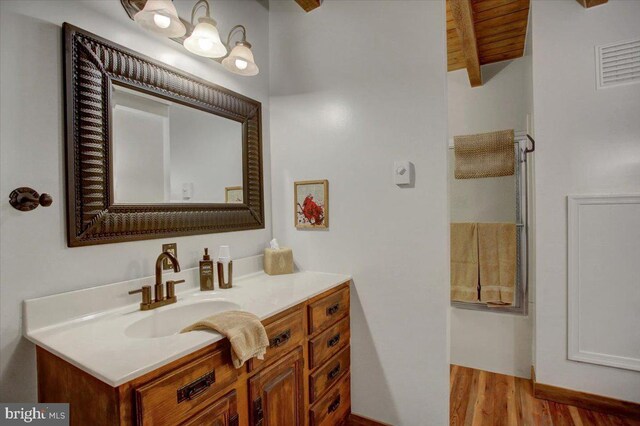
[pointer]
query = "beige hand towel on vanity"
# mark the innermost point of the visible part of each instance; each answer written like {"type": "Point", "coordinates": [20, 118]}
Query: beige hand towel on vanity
{"type": "Point", "coordinates": [484, 155]}
{"type": "Point", "coordinates": [497, 255]}
{"type": "Point", "coordinates": [244, 330]}
{"type": "Point", "coordinates": [464, 262]}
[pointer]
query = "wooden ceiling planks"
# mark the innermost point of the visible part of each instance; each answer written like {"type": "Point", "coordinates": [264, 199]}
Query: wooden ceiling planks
{"type": "Point", "coordinates": [309, 5]}
{"type": "Point", "coordinates": [462, 13]}
{"type": "Point", "coordinates": [500, 32]}
{"type": "Point", "coordinates": [591, 3]}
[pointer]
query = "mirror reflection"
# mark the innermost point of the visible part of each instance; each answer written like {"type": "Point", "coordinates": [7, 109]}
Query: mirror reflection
{"type": "Point", "coordinates": [166, 152]}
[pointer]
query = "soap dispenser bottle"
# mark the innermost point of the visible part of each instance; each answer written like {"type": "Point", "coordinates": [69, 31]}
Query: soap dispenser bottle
{"type": "Point", "coordinates": [206, 272]}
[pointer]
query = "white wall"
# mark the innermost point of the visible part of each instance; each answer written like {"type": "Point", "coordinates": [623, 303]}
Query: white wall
{"type": "Point", "coordinates": [588, 143]}
{"type": "Point", "coordinates": [489, 341]}
{"type": "Point", "coordinates": [205, 152]}
{"type": "Point", "coordinates": [356, 85]}
{"type": "Point", "coordinates": [502, 102]}
{"type": "Point", "coordinates": [35, 259]}
{"type": "Point", "coordinates": [140, 137]}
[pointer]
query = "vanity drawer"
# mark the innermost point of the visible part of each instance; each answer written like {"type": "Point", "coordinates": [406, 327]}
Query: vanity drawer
{"type": "Point", "coordinates": [178, 395]}
{"type": "Point", "coordinates": [334, 406]}
{"type": "Point", "coordinates": [328, 310]}
{"type": "Point", "coordinates": [222, 412]}
{"type": "Point", "coordinates": [326, 344]}
{"type": "Point", "coordinates": [284, 335]}
{"type": "Point", "coordinates": [329, 374]}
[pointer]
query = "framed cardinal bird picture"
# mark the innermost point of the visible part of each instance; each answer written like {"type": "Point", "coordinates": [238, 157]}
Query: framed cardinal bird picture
{"type": "Point", "coordinates": [311, 203]}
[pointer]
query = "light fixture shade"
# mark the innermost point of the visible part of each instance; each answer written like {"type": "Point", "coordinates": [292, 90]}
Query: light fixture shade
{"type": "Point", "coordinates": [161, 17]}
{"type": "Point", "coordinates": [205, 40]}
{"type": "Point", "coordinates": [240, 60]}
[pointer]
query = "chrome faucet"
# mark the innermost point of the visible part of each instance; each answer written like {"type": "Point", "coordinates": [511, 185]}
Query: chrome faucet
{"type": "Point", "coordinates": [159, 297]}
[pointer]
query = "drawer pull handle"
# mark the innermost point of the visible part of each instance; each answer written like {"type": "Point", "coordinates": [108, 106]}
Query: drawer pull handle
{"type": "Point", "coordinates": [280, 339]}
{"type": "Point", "coordinates": [196, 387]}
{"type": "Point", "coordinates": [334, 405]}
{"type": "Point", "coordinates": [333, 309]}
{"type": "Point", "coordinates": [333, 341]}
{"type": "Point", "coordinates": [334, 372]}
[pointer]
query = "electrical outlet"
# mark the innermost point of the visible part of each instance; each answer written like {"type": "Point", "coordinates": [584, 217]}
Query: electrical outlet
{"type": "Point", "coordinates": [171, 248]}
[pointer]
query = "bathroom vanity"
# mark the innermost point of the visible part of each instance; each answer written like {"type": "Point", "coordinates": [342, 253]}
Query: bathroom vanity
{"type": "Point", "coordinates": [121, 362]}
{"type": "Point", "coordinates": [125, 366]}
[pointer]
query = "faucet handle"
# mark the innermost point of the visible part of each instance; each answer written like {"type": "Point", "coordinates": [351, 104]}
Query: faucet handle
{"type": "Point", "coordinates": [146, 294]}
{"type": "Point", "coordinates": [171, 288]}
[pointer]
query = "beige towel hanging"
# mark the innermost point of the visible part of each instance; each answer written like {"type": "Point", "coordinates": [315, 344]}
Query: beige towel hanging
{"type": "Point", "coordinates": [484, 155]}
{"type": "Point", "coordinates": [464, 262]}
{"type": "Point", "coordinates": [497, 258]}
{"type": "Point", "coordinates": [244, 330]}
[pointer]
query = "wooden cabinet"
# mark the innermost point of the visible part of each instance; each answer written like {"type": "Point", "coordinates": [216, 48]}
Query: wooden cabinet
{"type": "Point", "coordinates": [323, 378]}
{"type": "Point", "coordinates": [222, 413]}
{"type": "Point", "coordinates": [276, 393]}
{"type": "Point", "coordinates": [174, 397]}
{"type": "Point", "coordinates": [326, 344]}
{"type": "Point", "coordinates": [328, 310]}
{"type": "Point", "coordinates": [285, 334]}
{"type": "Point", "coordinates": [334, 406]}
{"type": "Point", "coordinates": [304, 379]}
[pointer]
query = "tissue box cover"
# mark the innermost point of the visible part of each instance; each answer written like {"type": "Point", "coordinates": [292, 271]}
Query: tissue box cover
{"type": "Point", "coordinates": [278, 261]}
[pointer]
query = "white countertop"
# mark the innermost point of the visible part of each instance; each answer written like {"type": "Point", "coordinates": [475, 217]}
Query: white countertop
{"type": "Point", "coordinates": [100, 344]}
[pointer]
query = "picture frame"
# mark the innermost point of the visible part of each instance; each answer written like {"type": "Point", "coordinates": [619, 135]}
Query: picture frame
{"type": "Point", "coordinates": [311, 204]}
{"type": "Point", "coordinates": [233, 195]}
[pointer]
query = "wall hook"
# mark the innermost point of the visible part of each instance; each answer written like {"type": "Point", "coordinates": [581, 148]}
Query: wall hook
{"type": "Point", "coordinates": [533, 145]}
{"type": "Point", "coordinates": [26, 199]}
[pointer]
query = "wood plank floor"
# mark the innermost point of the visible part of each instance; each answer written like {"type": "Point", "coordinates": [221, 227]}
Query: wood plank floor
{"type": "Point", "coordinates": [481, 398]}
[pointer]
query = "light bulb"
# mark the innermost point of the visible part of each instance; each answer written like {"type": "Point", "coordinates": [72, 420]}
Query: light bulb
{"type": "Point", "coordinates": [161, 20]}
{"type": "Point", "coordinates": [240, 61]}
{"type": "Point", "coordinates": [160, 17]}
{"type": "Point", "coordinates": [241, 64]}
{"type": "Point", "coordinates": [205, 40]}
{"type": "Point", "coordinates": [205, 44]}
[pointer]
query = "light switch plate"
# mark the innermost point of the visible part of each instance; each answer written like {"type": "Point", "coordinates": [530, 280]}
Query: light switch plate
{"type": "Point", "coordinates": [187, 190]}
{"type": "Point", "coordinates": [171, 248]}
{"type": "Point", "coordinates": [402, 172]}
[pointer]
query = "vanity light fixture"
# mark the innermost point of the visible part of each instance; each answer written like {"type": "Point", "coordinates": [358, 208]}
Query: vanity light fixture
{"type": "Point", "coordinates": [240, 60]}
{"type": "Point", "coordinates": [161, 17]}
{"type": "Point", "coordinates": [205, 39]}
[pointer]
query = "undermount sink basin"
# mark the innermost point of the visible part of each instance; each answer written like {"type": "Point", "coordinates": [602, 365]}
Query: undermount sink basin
{"type": "Point", "coordinates": [169, 321]}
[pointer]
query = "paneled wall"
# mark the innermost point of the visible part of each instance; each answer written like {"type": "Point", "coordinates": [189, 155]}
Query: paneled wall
{"type": "Point", "coordinates": [604, 248]}
{"type": "Point", "coordinates": [588, 143]}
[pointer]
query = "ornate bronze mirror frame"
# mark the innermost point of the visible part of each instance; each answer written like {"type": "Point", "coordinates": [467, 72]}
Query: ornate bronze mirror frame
{"type": "Point", "coordinates": [92, 65]}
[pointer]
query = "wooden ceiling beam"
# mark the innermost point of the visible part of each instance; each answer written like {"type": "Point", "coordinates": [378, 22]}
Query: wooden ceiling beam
{"type": "Point", "coordinates": [309, 5]}
{"type": "Point", "coordinates": [590, 3]}
{"type": "Point", "coordinates": [462, 13]}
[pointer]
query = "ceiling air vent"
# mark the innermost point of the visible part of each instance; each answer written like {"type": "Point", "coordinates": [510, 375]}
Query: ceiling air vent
{"type": "Point", "coordinates": [618, 64]}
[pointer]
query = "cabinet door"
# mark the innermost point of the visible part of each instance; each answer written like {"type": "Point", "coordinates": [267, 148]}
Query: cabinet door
{"type": "Point", "coordinates": [276, 393]}
{"type": "Point", "coordinates": [223, 412]}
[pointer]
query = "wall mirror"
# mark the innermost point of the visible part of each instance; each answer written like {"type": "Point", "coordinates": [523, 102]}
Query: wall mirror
{"type": "Point", "coordinates": [152, 151]}
{"type": "Point", "coordinates": [166, 152]}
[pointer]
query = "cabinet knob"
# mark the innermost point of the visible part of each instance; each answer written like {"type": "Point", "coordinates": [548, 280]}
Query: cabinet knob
{"type": "Point", "coordinates": [334, 405]}
{"type": "Point", "coordinates": [333, 341]}
{"type": "Point", "coordinates": [331, 310]}
{"type": "Point", "coordinates": [280, 339]}
{"type": "Point", "coordinates": [334, 372]}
